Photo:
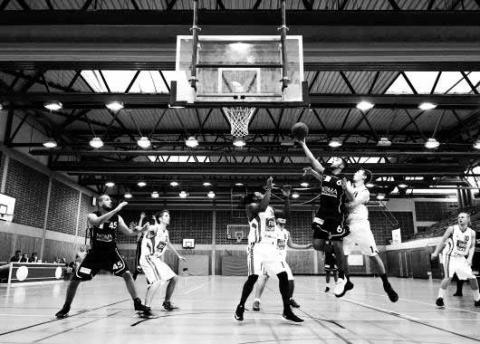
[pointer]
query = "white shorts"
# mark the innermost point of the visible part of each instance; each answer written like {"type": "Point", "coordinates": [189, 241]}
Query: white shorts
{"type": "Point", "coordinates": [457, 265]}
{"type": "Point", "coordinates": [155, 269]}
{"type": "Point", "coordinates": [287, 269]}
{"type": "Point", "coordinates": [360, 239]}
{"type": "Point", "coordinates": [263, 258]}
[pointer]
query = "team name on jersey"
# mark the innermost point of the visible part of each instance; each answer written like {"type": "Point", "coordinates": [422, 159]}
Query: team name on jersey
{"type": "Point", "coordinates": [329, 191]}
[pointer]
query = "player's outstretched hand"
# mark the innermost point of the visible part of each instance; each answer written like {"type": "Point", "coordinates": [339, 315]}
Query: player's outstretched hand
{"type": "Point", "coordinates": [269, 184]}
{"type": "Point", "coordinates": [121, 206]}
{"type": "Point", "coordinates": [142, 215]}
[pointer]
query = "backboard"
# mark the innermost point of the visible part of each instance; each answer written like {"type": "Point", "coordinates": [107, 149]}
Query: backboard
{"type": "Point", "coordinates": [236, 70]}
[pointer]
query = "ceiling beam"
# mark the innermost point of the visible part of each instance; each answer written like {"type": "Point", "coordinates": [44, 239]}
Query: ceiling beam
{"type": "Point", "coordinates": [139, 100]}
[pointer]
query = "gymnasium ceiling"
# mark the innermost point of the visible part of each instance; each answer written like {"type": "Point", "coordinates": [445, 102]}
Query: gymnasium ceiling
{"type": "Point", "coordinates": [393, 53]}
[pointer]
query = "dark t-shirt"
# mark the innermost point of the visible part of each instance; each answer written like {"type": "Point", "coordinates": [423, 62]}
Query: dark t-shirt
{"type": "Point", "coordinates": [103, 237]}
{"type": "Point", "coordinates": [332, 199]}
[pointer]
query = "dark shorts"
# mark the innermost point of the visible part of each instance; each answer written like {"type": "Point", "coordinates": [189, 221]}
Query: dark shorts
{"type": "Point", "coordinates": [96, 260]}
{"type": "Point", "coordinates": [331, 229]}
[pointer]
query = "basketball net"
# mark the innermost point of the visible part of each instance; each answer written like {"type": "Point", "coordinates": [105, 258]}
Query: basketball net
{"type": "Point", "coordinates": [239, 118]}
{"type": "Point", "coordinates": [239, 236]}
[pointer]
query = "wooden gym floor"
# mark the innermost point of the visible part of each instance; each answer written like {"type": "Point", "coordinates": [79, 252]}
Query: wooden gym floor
{"type": "Point", "coordinates": [102, 313]}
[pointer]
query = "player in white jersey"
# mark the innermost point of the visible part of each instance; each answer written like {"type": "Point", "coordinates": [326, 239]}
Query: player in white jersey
{"type": "Point", "coordinates": [361, 236]}
{"type": "Point", "coordinates": [284, 239]}
{"type": "Point", "coordinates": [458, 258]}
{"type": "Point", "coordinates": [154, 246]}
{"type": "Point", "coordinates": [262, 250]}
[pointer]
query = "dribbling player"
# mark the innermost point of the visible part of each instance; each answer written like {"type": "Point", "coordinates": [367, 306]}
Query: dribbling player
{"type": "Point", "coordinates": [329, 222]}
{"type": "Point", "coordinates": [361, 236]}
{"type": "Point", "coordinates": [459, 258]}
{"type": "Point", "coordinates": [154, 246]}
{"type": "Point", "coordinates": [104, 254]}
{"type": "Point", "coordinates": [262, 250]}
{"type": "Point", "coordinates": [284, 239]}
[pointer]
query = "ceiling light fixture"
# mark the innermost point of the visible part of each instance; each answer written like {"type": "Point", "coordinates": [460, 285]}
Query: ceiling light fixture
{"type": "Point", "coordinates": [295, 195]}
{"type": "Point", "coordinates": [53, 106]}
{"type": "Point", "coordinates": [96, 142]}
{"type": "Point", "coordinates": [144, 142]}
{"type": "Point", "coordinates": [51, 143]}
{"type": "Point", "coordinates": [114, 106]}
{"type": "Point", "coordinates": [109, 184]}
{"type": "Point", "coordinates": [384, 142]}
{"type": "Point", "coordinates": [335, 143]}
{"type": "Point", "coordinates": [128, 195]}
{"type": "Point", "coordinates": [174, 184]}
{"type": "Point", "coordinates": [365, 106]}
{"type": "Point", "coordinates": [432, 143]}
{"type": "Point", "coordinates": [304, 185]}
{"type": "Point", "coordinates": [206, 184]}
{"type": "Point", "coordinates": [183, 194]}
{"type": "Point", "coordinates": [211, 194]}
{"type": "Point", "coordinates": [191, 142]}
{"type": "Point", "coordinates": [239, 142]}
{"type": "Point", "coordinates": [155, 194]}
{"type": "Point", "coordinates": [425, 106]}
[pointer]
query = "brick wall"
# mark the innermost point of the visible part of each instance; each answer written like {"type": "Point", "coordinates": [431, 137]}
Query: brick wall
{"type": "Point", "coordinates": [85, 208]}
{"type": "Point", "coordinates": [62, 212]}
{"type": "Point", "coordinates": [435, 211]}
{"type": "Point", "coordinates": [30, 189]}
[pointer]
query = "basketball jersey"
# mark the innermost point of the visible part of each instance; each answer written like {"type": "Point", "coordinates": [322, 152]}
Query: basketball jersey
{"type": "Point", "coordinates": [461, 241]}
{"type": "Point", "coordinates": [331, 196]}
{"type": "Point", "coordinates": [282, 241]}
{"type": "Point", "coordinates": [103, 236]}
{"type": "Point", "coordinates": [360, 212]}
{"type": "Point", "coordinates": [262, 228]}
{"type": "Point", "coordinates": [155, 244]}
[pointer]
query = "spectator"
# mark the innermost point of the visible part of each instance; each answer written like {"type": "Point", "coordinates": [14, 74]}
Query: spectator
{"type": "Point", "coordinates": [17, 257]}
{"type": "Point", "coordinates": [33, 258]}
{"type": "Point", "coordinates": [24, 258]}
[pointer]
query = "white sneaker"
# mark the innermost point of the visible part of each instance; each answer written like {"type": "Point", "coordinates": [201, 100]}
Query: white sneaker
{"type": "Point", "coordinates": [340, 287]}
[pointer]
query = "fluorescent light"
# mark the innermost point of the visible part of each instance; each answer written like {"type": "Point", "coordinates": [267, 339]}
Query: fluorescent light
{"type": "Point", "coordinates": [369, 185]}
{"type": "Point", "coordinates": [128, 195]}
{"type": "Point", "coordinates": [365, 106]}
{"type": "Point", "coordinates": [211, 194]}
{"type": "Point", "coordinates": [191, 142]}
{"type": "Point", "coordinates": [174, 184]}
{"type": "Point", "coordinates": [142, 184]}
{"type": "Point", "coordinates": [432, 143]}
{"type": "Point", "coordinates": [402, 186]}
{"type": "Point", "coordinates": [239, 142]}
{"type": "Point", "coordinates": [144, 142]}
{"type": "Point", "coordinates": [295, 195]}
{"type": "Point", "coordinates": [476, 145]}
{"type": "Point", "coordinates": [183, 194]}
{"type": "Point", "coordinates": [335, 143]}
{"type": "Point", "coordinates": [425, 106]}
{"type": "Point", "coordinates": [96, 142]}
{"type": "Point", "coordinates": [155, 194]}
{"type": "Point", "coordinates": [176, 106]}
{"type": "Point", "coordinates": [238, 184]}
{"type": "Point", "coordinates": [207, 184]}
{"type": "Point", "coordinates": [109, 184]}
{"type": "Point", "coordinates": [114, 106]}
{"type": "Point", "coordinates": [304, 185]}
{"type": "Point", "coordinates": [381, 197]}
{"type": "Point", "coordinates": [53, 106]}
{"type": "Point", "coordinates": [50, 144]}
{"type": "Point", "coordinates": [384, 142]}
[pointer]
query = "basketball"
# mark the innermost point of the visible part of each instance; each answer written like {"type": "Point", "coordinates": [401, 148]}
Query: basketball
{"type": "Point", "coordinates": [299, 131]}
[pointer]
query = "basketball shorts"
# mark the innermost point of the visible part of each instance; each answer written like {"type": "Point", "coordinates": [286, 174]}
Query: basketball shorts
{"type": "Point", "coordinates": [329, 229]}
{"type": "Point", "coordinates": [457, 265]}
{"type": "Point", "coordinates": [264, 258]}
{"type": "Point", "coordinates": [287, 269]}
{"type": "Point", "coordinates": [331, 267]}
{"type": "Point", "coordinates": [155, 269]}
{"type": "Point", "coordinates": [96, 260]}
{"type": "Point", "coordinates": [360, 239]}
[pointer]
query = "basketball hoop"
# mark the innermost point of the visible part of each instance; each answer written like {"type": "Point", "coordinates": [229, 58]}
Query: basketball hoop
{"type": "Point", "coordinates": [239, 237]}
{"type": "Point", "coordinates": [239, 118]}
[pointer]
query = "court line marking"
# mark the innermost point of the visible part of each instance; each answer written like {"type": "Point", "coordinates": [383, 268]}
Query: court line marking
{"type": "Point", "coordinates": [326, 327]}
{"type": "Point", "coordinates": [406, 317]}
{"type": "Point", "coordinates": [196, 288]}
{"type": "Point", "coordinates": [74, 327]}
{"type": "Point", "coordinates": [54, 320]}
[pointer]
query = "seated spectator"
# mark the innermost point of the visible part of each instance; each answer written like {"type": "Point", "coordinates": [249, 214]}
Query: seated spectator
{"type": "Point", "coordinates": [17, 257]}
{"type": "Point", "coordinates": [24, 258]}
{"type": "Point", "coordinates": [33, 258]}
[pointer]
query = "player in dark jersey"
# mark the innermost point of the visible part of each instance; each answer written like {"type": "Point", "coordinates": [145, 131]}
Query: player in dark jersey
{"type": "Point", "coordinates": [104, 254]}
{"type": "Point", "coordinates": [330, 266]}
{"type": "Point", "coordinates": [329, 222]}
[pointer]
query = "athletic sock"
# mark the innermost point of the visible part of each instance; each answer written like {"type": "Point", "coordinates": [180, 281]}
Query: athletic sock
{"type": "Point", "coordinates": [291, 287]}
{"type": "Point", "coordinates": [384, 278]}
{"type": "Point", "coordinates": [284, 290]}
{"type": "Point", "coordinates": [441, 292]}
{"type": "Point", "coordinates": [247, 288]}
{"type": "Point", "coordinates": [476, 295]}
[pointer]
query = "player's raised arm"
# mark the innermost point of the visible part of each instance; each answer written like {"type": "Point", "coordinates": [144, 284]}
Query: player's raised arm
{"type": "Point", "coordinates": [317, 166]}
{"type": "Point", "coordinates": [267, 196]}
{"type": "Point", "coordinates": [286, 192]}
{"type": "Point", "coordinates": [127, 230]}
{"type": "Point", "coordinates": [448, 234]}
{"type": "Point", "coordinates": [291, 244]}
{"type": "Point", "coordinates": [96, 220]}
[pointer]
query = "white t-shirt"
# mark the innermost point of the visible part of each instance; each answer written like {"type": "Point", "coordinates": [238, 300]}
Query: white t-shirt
{"type": "Point", "coordinates": [359, 212]}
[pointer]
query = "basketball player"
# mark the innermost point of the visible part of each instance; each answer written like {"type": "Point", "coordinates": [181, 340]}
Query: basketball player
{"type": "Point", "coordinates": [329, 221]}
{"type": "Point", "coordinates": [331, 267]}
{"type": "Point", "coordinates": [475, 265]}
{"type": "Point", "coordinates": [138, 268]}
{"type": "Point", "coordinates": [284, 239]}
{"type": "Point", "coordinates": [459, 258]}
{"type": "Point", "coordinates": [104, 254]}
{"type": "Point", "coordinates": [80, 256]}
{"type": "Point", "coordinates": [154, 246]}
{"type": "Point", "coordinates": [262, 250]}
{"type": "Point", "coordinates": [361, 236]}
